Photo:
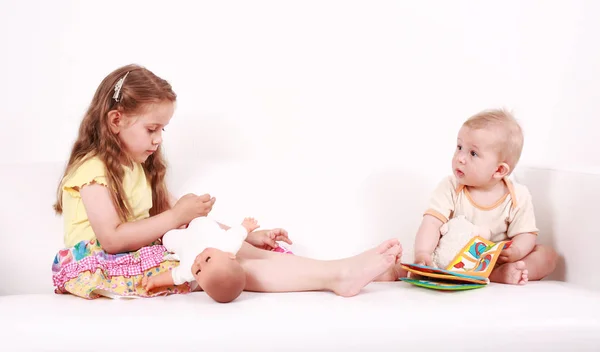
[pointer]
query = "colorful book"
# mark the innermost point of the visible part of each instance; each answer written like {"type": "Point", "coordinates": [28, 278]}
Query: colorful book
{"type": "Point", "coordinates": [469, 270]}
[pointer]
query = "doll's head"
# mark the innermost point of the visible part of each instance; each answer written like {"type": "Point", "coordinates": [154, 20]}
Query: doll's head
{"type": "Point", "coordinates": [219, 274]}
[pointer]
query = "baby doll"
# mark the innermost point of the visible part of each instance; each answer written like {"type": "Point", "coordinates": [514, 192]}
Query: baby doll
{"type": "Point", "coordinates": [207, 257]}
{"type": "Point", "coordinates": [456, 233]}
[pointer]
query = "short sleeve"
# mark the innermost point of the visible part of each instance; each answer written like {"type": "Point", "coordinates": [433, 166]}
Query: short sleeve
{"type": "Point", "coordinates": [441, 203]}
{"type": "Point", "coordinates": [232, 239]}
{"type": "Point", "coordinates": [183, 273]}
{"type": "Point", "coordinates": [89, 172]}
{"type": "Point", "coordinates": [523, 217]}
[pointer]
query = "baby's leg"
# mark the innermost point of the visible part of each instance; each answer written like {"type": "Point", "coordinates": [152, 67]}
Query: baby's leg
{"type": "Point", "coordinates": [541, 262]}
{"type": "Point", "coordinates": [160, 280]}
{"type": "Point", "coordinates": [511, 273]}
{"type": "Point", "coordinates": [538, 264]}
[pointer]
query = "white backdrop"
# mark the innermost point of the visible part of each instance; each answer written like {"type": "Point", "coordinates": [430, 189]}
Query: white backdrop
{"type": "Point", "coordinates": [348, 95]}
{"type": "Point", "coordinates": [341, 81]}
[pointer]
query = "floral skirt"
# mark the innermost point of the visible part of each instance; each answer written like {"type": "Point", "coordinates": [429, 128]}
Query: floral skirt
{"type": "Point", "coordinates": [87, 271]}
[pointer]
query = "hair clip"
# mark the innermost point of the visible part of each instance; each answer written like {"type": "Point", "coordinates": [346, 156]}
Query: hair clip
{"type": "Point", "coordinates": [118, 87]}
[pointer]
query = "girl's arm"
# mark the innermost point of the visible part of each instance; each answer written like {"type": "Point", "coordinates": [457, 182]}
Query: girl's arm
{"type": "Point", "coordinates": [172, 200]}
{"type": "Point", "coordinates": [117, 237]}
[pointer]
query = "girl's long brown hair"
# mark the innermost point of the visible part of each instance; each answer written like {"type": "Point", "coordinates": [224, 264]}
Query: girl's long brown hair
{"type": "Point", "coordinates": [140, 88]}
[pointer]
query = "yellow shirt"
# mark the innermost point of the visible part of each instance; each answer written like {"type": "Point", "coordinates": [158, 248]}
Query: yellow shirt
{"type": "Point", "coordinates": [511, 215]}
{"type": "Point", "coordinates": [76, 224]}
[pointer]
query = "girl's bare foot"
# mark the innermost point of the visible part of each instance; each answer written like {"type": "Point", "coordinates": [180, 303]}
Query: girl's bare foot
{"type": "Point", "coordinates": [358, 271]}
{"type": "Point", "coordinates": [384, 246]}
{"type": "Point", "coordinates": [396, 271]}
{"type": "Point", "coordinates": [511, 273]}
{"type": "Point", "coordinates": [250, 224]}
{"type": "Point", "coordinates": [393, 273]}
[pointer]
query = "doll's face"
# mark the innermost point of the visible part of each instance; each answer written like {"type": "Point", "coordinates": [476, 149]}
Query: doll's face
{"type": "Point", "coordinates": [219, 274]}
{"type": "Point", "coordinates": [209, 262]}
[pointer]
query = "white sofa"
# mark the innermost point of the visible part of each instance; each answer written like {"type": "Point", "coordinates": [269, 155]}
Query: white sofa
{"type": "Point", "coordinates": [330, 211]}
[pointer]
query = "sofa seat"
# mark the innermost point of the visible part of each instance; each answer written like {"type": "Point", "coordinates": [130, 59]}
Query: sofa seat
{"type": "Point", "coordinates": [541, 316]}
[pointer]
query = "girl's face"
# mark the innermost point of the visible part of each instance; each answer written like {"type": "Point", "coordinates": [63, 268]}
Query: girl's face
{"type": "Point", "coordinates": [141, 134]}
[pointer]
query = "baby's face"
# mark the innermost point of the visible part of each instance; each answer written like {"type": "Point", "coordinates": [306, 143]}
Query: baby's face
{"type": "Point", "coordinates": [209, 261]}
{"type": "Point", "coordinates": [476, 158]}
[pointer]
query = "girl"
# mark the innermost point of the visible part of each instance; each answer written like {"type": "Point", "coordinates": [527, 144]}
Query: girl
{"type": "Point", "coordinates": [116, 208]}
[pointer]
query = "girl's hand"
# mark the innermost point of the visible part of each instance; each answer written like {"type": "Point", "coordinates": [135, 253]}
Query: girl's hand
{"type": "Point", "coordinates": [267, 239]}
{"type": "Point", "coordinates": [190, 207]}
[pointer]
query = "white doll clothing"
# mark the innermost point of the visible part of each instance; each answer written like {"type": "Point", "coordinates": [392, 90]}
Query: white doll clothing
{"type": "Point", "coordinates": [201, 233]}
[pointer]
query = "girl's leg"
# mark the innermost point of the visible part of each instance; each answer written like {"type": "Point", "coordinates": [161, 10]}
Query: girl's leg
{"type": "Point", "coordinates": [276, 272]}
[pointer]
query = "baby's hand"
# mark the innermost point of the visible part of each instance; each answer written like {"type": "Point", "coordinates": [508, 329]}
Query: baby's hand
{"type": "Point", "coordinates": [267, 239]}
{"type": "Point", "coordinates": [510, 255]}
{"type": "Point", "coordinates": [423, 258]}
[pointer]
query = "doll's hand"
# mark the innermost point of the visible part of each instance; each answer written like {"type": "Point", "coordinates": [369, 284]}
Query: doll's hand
{"type": "Point", "coordinates": [267, 239]}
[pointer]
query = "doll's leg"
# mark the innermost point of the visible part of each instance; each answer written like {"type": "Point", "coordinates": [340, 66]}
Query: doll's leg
{"type": "Point", "coordinates": [276, 272]}
{"type": "Point", "coordinates": [160, 280]}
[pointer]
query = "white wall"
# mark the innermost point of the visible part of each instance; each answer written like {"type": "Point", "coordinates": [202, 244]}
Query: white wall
{"type": "Point", "coordinates": [334, 101]}
{"type": "Point", "coordinates": [316, 80]}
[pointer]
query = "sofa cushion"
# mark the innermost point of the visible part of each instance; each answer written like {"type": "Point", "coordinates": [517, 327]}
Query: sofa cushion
{"type": "Point", "coordinates": [544, 316]}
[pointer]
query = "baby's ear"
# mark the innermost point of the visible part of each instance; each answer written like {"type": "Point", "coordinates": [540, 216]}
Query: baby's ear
{"type": "Point", "coordinates": [502, 170]}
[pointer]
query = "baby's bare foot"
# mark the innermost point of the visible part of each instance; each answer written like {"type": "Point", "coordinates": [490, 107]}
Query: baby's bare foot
{"type": "Point", "coordinates": [511, 273]}
{"type": "Point", "coordinates": [360, 270]}
{"type": "Point", "coordinates": [250, 224]}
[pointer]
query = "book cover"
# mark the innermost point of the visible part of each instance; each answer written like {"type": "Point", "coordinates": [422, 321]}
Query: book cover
{"type": "Point", "coordinates": [470, 269]}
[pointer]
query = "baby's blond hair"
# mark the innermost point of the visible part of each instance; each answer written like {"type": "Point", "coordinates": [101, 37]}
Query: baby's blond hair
{"type": "Point", "coordinates": [508, 129]}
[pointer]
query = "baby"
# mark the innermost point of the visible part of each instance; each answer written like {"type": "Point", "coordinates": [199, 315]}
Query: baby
{"type": "Point", "coordinates": [488, 148]}
{"type": "Point", "coordinates": [207, 257]}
